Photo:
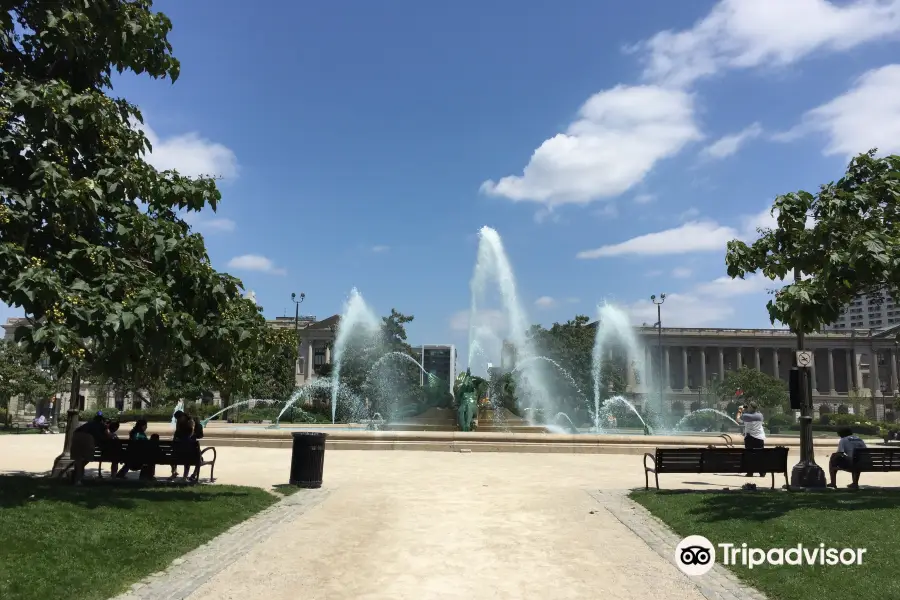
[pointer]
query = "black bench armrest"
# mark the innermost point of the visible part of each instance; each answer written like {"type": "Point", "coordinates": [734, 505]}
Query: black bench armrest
{"type": "Point", "coordinates": [648, 470]}
{"type": "Point", "coordinates": [729, 441]}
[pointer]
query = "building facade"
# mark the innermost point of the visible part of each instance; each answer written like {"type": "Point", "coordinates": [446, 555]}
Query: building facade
{"type": "Point", "coordinates": [438, 360]}
{"type": "Point", "coordinates": [848, 365]}
{"type": "Point", "coordinates": [877, 310]}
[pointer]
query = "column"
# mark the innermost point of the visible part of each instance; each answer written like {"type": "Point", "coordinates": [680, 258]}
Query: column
{"type": "Point", "coordinates": [703, 381]}
{"type": "Point", "coordinates": [721, 364]}
{"type": "Point", "coordinates": [668, 378]}
{"type": "Point", "coordinates": [684, 368]}
{"type": "Point", "coordinates": [831, 389]}
{"type": "Point", "coordinates": [309, 359]}
{"type": "Point", "coordinates": [812, 374]}
{"type": "Point", "coordinates": [875, 376]}
{"type": "Point", "coordinates": [775, 363]}
{"type": "Point", "coordinates": [740, 358]}
{"type": "Point", "coordinates": [327, 355]}
{"type": "Point", "coordinates": [756, 359]}
{"type": "Point", "coordinates": [894, 384]}
{"type": "Point", "coordinates": [851, 380]}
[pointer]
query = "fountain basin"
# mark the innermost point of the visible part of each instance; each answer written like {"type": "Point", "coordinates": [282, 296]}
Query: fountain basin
{"type": "Point", "coordinates": [343, 437]}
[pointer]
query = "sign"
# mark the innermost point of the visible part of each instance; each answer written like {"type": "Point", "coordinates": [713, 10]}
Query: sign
{"type": "Point", "coordinates": [804, 358]}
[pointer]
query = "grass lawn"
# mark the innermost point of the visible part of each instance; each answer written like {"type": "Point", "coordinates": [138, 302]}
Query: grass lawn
{"type": "Point", "coordinates": [93, 541]}
{"type": "Point", "coordinates": [839, 519]}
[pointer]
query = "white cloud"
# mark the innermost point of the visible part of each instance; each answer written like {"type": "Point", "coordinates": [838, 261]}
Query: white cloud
{"type": "Point", "coordinates": [705, 305]}
{"type": "Point", "coordinates": [211, 224]}
{"type": "Point", "coordinates": [681, 272]}
{"type": "Point", "coordinates": [644, 198]}
{"type": "Point", "coordinates": [620, 134]}
{"type": "Point", "coordinates": [741, 34]}
{"type": "Point", "coordinates": [254, 262]}
{"type": "Point", "coordinates": [491, 319]}
{"type": "Point", "coordinates": [545, 302]}
{"type": "Point", "coordinates": [190, 155]}
{"type": "Point", "coordinates": [694, 236]}
{"type": "Point", "coordinates": [730, 144]}
{"type": "Point", "coordinates": [378, 249]}
{"type": "Point", "coordinates": [866, 116]}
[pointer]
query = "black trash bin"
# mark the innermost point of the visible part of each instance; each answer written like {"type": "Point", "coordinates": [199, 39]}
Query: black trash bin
{"type": "Point", "coordinates": [307, 459]}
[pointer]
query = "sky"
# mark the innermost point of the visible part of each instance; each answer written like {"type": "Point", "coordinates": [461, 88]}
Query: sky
{"type": "Point", "coordinates": [616, 147]}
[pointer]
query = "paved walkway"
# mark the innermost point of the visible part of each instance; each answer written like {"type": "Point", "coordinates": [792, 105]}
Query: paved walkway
{"type": "Point", "coordinates": [423, 525]}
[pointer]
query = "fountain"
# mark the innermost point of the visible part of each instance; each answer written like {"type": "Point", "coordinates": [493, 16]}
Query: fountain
{"type": "Point", "coordinates": [178, 408]}
{"type": "Point", "coordinates": [492, 265]}
{"type": "Point", "coordinates": [358, 324]}
{"type": "Point", "coordinates": [706, 411]}
{"type": "Point", "coordinates": [493, 292]}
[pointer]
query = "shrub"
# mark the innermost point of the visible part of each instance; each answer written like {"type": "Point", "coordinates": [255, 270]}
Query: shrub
{"type": "Point", "coordinates": [864, 429]}
{"type": "Point", "coordinates": [781, 420]}
{"type": "Point", "coordinates": [825, 419]}
{"type": "Point", "coordinates": [843, 410]}
{"type": "Point", "coordinates": [889, 416]}
{"type": "Point", "coordinates": [4, 416]}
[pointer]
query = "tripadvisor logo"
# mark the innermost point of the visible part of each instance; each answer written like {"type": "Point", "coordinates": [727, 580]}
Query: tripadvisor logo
{"type": "Point", "coordinates": [696, 555]}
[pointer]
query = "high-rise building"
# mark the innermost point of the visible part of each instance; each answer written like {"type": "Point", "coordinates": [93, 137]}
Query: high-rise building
{"type": "Point", "coordinates": [438, 360]}
{"type": "Point", "coordinates": [869, 311]}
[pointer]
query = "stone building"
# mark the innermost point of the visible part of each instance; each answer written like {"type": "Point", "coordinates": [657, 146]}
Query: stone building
{"type": "Point", "coordinates": [851, 367]}
{"type": "Point", "coordinates": [848, 365]}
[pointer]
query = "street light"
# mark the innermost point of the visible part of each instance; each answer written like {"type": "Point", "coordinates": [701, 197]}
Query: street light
{"type": "Point", "coordinates": [297, 304]}
{"type": "Point", "coordinates": [659, 302]}
{"type": "Point", "coordinates": [805, 473]}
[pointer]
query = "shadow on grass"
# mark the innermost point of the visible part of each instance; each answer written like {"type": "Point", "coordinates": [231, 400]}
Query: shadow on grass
{"type": "Point", "coordinates": [764, 505]}
{"type": "Point", "coordinates": [20, 489]}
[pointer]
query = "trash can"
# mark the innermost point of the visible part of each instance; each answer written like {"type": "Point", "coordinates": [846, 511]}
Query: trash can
{"type": "Point", "coordinates": [307, 459]}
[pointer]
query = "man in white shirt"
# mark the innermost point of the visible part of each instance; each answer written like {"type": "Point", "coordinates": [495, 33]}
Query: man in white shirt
{"type": "Point", "coordinates": [842, 460]}
{"type": "Point", "coordinates": [754, 435]}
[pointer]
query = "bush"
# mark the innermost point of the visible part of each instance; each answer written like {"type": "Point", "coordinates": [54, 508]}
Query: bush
{"type": "Point", "coordinates": [863, 428]}
{"type": "Point", "coordinates": [4, 416]}
{"type": "Point", "coordinates": [843, 410]}
{"type": "Point", "coordinates": [889, 416]}
{"type": "Point", "coordinates": [153, 414]}
{"type": "Point", "coordinates": [781, 420]}
{"type": "Point", "coordinates": [824, 419]}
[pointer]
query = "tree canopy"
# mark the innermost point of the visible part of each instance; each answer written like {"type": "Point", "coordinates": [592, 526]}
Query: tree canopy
{"type": "Point", "coordinates": [838, 243]}
{"type": "Point", "coordinates": [92, 244]}
{"type": "Point", "coordinates": [749, 385]}
{"type": "Point", "coordinates": [21, 376]}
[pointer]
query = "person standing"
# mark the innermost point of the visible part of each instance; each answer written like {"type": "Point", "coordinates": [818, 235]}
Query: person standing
{"type": "Point", "coordinates": [84, 440]}
{"type": "Point", "coordinates": [749, 416]}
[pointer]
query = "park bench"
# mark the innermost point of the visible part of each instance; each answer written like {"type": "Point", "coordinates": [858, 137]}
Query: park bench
{"type": "Point", "coordinates": [19, 425]}
{"type": "Point", "coordinates": [873, 460]}
{"type": "Point", "coordinates": [153, 452]}
{"type": "Point", "coordinates": [716, 460]}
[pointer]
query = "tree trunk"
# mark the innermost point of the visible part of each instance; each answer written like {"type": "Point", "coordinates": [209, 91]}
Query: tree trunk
{"type": "Point", "coordinates": [74, 390]}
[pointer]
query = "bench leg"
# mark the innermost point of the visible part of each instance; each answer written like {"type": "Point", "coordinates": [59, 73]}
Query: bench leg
{"type": "Point", "coordinates": [656, 475]}
{"type": "Point", "coordinates": [773, 480]}
{"type": "Point", "coordinates": [646, 479]}
{"type": "Point", "coordinates": [787, 483]}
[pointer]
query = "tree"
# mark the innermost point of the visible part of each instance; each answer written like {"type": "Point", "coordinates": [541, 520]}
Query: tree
{"type": "Point", "coordinates": [92, 246]}
{"type": "Point", "coordinates": [837, 243]}
{"type": "Point", "coordinates": [276, 358]}
{"type": "Point", "coordinates": [750, 385]}
{"type": "Point", "coordinates": [571, 345]}
{"type": "Point", "coordinates": [21, 376]}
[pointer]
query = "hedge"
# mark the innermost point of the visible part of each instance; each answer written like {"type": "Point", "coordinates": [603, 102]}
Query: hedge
{"type": "Point", "coordinates": [863, 428]}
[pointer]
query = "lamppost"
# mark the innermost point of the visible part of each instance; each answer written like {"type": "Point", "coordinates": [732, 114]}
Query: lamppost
{"type": "Point", "coordinates": [297, 304]}
{"type": "Point", "coordinates": [659, 302]}
{"type": "Point", "coordinates": [805, 473]}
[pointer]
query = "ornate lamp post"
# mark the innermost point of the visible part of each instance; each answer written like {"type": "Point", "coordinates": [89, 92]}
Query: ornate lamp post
{"type": "Point", "coordinates": [659, 302]}
{"type": "Point", "coordinates": [297, 304]}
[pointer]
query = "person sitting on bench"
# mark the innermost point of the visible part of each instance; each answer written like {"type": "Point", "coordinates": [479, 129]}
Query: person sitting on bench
{"type": "Point", "coordinates": [41, 424]}
{"type": "Point", "coordinates": [842, 460]}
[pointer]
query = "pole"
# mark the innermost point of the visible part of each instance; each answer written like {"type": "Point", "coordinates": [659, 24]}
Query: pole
{"type": "Point", "coordinates": [805, 473]}
{"type": "Point", "coordinates": [659, 350]}
{"type": "Point", "coordinates": [63, 462]}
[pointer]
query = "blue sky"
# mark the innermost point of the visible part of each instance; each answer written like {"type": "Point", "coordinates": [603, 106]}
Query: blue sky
{"type": "Point", "coordinates": [616, 147]}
